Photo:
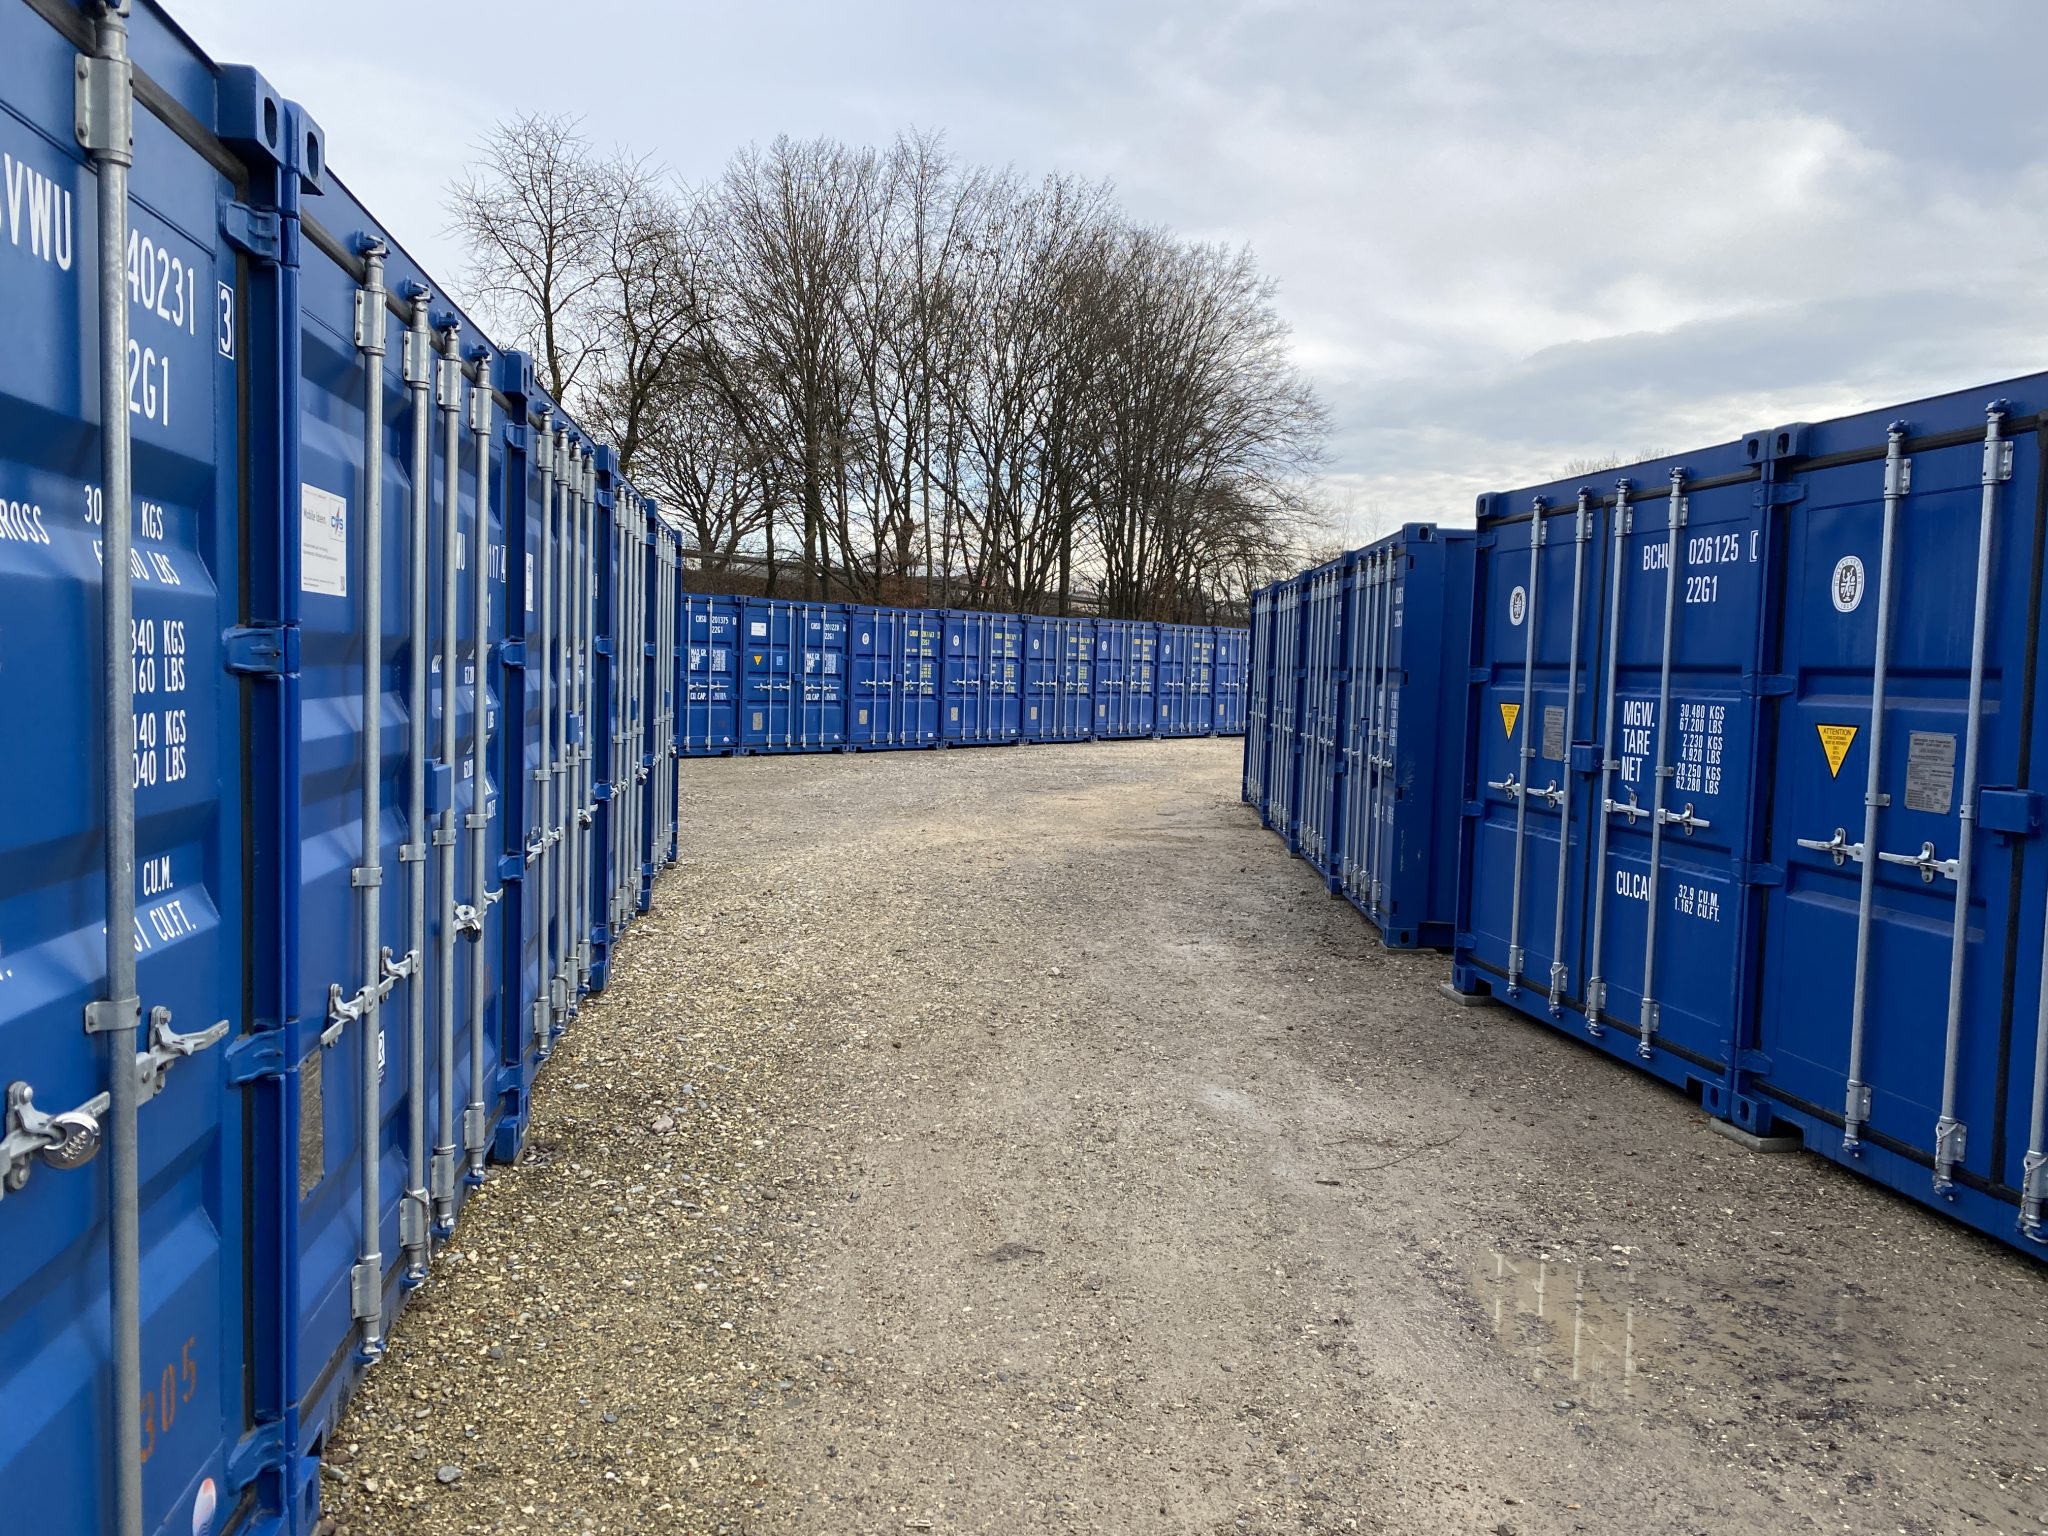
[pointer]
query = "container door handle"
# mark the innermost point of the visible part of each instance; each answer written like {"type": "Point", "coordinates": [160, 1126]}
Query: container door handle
{"type": "Point", "coordinates": [1924, 861]}
{"type": "Point", "coordinates": [1838, 847]}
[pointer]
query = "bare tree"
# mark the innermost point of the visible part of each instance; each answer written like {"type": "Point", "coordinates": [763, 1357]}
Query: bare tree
{"type": "Point", "coordinates": [908, 378]}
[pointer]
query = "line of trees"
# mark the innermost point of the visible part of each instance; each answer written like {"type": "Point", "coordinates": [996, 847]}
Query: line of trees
{"type": "Point", "coordinates": [892, 377]}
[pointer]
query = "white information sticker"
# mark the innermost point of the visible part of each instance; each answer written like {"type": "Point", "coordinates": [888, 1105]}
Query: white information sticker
{"type": "Point", "coordinates": [1846, 585]}
{"type": "Point", "coordinates": [323, 542]}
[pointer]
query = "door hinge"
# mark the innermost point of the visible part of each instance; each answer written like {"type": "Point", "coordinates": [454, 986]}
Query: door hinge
{"type": "Point", "coordinates": [256, 1056]}
{"type": "Point", "coordinates": [257, 232]}
{"type": "Point", "coordinates": [259, 1451]}
{"type": "Point", "coordinates": [262, 650]}
{"type": "Point", "coordinates": [103, 105]}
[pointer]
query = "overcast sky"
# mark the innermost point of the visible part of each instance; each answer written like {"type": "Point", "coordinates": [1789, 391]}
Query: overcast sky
{"type": "Point", "coordinates": [1507, 235]}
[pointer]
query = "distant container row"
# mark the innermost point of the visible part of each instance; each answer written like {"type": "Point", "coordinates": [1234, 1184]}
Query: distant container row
{"type": "Point", "coordinates": [765, 675]}
{"type": "Point", "coordinates": [1732, 768]}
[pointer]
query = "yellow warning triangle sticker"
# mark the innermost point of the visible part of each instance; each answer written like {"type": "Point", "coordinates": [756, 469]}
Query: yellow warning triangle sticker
{"type": "Point", "coordinates": [1834, 740]}
{"type": "Point", "coordinates": [1508, 712]}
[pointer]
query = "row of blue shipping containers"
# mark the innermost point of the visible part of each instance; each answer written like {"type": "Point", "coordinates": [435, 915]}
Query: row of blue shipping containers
{"type": "Point", "coordinates": [386, 696]}
{"type": "Point", "coordinates": [1731, 768]}
{"type": "Point", "coordinates": [768, 675]}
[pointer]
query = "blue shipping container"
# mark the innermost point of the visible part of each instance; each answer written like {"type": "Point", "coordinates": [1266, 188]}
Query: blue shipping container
{"type": "Point", "coordinates": [1059, 660]}
{"type": "Point", "coordinates": [1126, 677]}
{"type": "Point", "coordinates": [354, 709]}
{"type": "Point", "coordinates": [1187, 680]}
{"type": "Point", "coordinates": [894, 660]}
{"type": "Point", "coordinates": [710, 723]}
{"type": "Point", "coordinates": [983, 677]}
{"type": "Point", "coordinates": [912, 677]}
{"type": "Point", "coordinates": [1232, 657]}
{"type": "Point", "coordinates": [792, 675]}
{"type": "Point", "coordinates": [1369, 730]}
{"type": "Point", "coordinates": [1408, 612]}
{"type": "Point", "coordinates": [1797, 787]}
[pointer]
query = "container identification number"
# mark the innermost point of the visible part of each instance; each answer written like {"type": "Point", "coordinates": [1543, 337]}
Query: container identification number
{"type": "Point", "coordinates": [178, 1381]}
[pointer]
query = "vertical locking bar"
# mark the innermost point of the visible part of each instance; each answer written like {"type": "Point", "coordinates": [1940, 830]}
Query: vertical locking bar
{"type": "Point", "coordinates": [106, 121]}
{"type": "Point", "coordinates": [1582, 535]}
{"type": "Point", "coordinates": [415, 1212]}
{"type": "Point", "coordinates": [1596, 984]}
{"type": "Point", "coordinates": [366, 1280]}
{"type": "Point", "coordinates": [540, 658]}
{"type": "Point", "coordinates": [446, 873]}
{"type": "Point", "coordinates": [567, 470]}
{"type": "Point", "coordinates": [1664, 769]}
{"type": "Point", "coordinates": [1389, 701]}
{"type": "Point", "coordinates": [474, 1128]}
{"type": "Point", "coordinates": [1525, 756]}
{"type": "Point", "coordinates": [579, 751]}
{"type": "Point", "coordinates": [1949, 1131]}
{"type": "Point", "coordinates": [1364, 753]}
{"type": "Point", "coordinates": [1856, 1104]}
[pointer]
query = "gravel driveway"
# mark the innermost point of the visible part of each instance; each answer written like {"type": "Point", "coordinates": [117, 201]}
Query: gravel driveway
{"type": "Point", "coordinates": [1016, 1140]}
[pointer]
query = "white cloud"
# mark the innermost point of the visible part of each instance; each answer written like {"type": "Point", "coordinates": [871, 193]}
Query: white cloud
{"type": "Point", "coordinates": [1508, 234]}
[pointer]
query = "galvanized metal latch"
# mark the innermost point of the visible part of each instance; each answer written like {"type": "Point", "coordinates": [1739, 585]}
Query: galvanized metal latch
{"type": "Point", "coordinates": [1631, 809]}
{"type": "Point", "coordinates": [167, 1047]}
{"type": "Point", "coordinates": [62, 1141]}
{"type": "Point", "coordinates": [1684, 819]}
{"type": "Point", "coordinates": [341, 1011]}
{"type": "Point", "coordinates": [468, 922]}
{"type": "Point", "coordinates": [1838, 847]}
{"type": "Point", "coordinates": [1552, 796]}
{"type": "Point", "coordinates": [1924, 861]}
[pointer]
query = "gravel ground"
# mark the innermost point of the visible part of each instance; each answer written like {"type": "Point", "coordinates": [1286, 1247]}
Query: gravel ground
{"type": "Point", "coordinates": [1017, 1140]}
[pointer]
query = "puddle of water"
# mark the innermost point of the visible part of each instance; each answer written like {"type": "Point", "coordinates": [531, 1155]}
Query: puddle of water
{"type": "Point", "coordinates": [1582, 1330]}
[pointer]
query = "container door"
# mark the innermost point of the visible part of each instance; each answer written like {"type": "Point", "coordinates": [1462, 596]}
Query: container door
{"type": "Point", "coordinates": [1007, 678]}
{"type": "Point", "coordinates": [348, 942]}
{"type": "Point", "coordinates": [1889, 988]}
{"type": "Point", "coordinates": [959, 678]}
{"type": "Point", "coordinates": [1541, 639]}
{"type": "Point", "coordinates": [1666, 958]}
{"type": "Point", "coordinates": [1077, 715]}
{"type": "Point", "coordinates": [824, 675]}
{"type": "Point", "coordinates": [522, 1030]}
{"type": "Point", "coordinates": [708, 704]}
{"type": "Point", "coordinates": [1171, 670]}
{"type": "Point", "coordinates": [184, 365]}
